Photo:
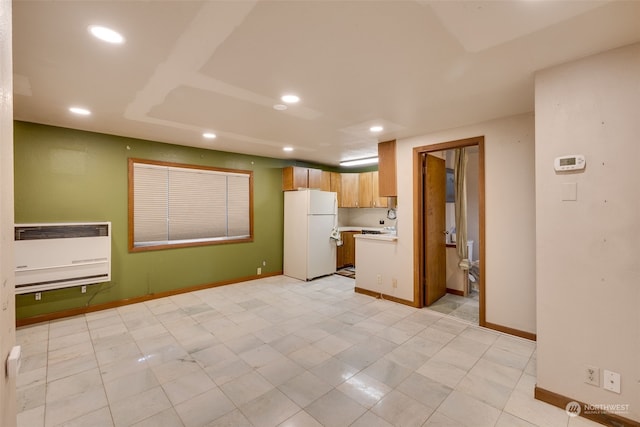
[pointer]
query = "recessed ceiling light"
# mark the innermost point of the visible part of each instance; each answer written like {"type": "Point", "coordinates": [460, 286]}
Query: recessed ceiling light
{"type": "Point", "coordinates": [287, 148]}
{"type": "Point", "coordinates": [290, 99]}
{"type": "Point", "coordinates": [376, 128]}
{"type": "Point", "coordinates": [106, 34]}
{"type": "Point", "coordinates": [80, 111]}
{"type": "Point", "coordinates": [280, 107]}
{"type": "Point", "coordinates": [209, 135]}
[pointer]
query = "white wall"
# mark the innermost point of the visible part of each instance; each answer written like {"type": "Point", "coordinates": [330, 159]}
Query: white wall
{"type": "Point", "coordinates": [509, 216]}
{"type": "Point", "coordinates": [7, 298]}
{"type": "Point", "coordinates": [588, 250]}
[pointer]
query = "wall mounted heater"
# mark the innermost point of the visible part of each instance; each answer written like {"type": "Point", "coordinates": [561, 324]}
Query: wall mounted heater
{"type": "Point", "coordinates": [54, 256]}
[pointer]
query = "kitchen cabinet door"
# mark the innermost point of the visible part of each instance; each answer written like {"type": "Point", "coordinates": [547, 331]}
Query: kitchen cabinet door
{"type": "Point", "coordinates": [368, 191]}
{"type": "Point", "coordinates": [325, 181]}
{"type": "Point", "coordinates": [378, 202]}
{"type": "Point", "coordinates": [365, 190]}
{"type": "Point", "coordinates": [349, 248]}
{"type": "Point", "coordinates": [349, 190]}
{"type": "Point", "coordinates": [335, 185]}
{"type": "Point", "coordinates": [315, 178]}
{"type": "Point", "coordinates": [294, 177]}
{"type": "Point", "coordinates": [340, 254]}
{"type": "Point", "coordinates": [387, 168]}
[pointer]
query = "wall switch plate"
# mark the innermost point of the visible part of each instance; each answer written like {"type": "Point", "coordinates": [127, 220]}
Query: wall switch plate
{"type": "Point", "coordinates": [612, 381]}
{"type": "Point", "coordinates": [83, 289]}
{"type": "Point", "coordinates": [592, 375]}
{"type": "Point", "coordinates": [38, 296]}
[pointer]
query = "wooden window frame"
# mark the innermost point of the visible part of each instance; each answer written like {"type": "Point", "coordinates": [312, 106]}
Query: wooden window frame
{"type": "Point", "coordinates": [184, 243]}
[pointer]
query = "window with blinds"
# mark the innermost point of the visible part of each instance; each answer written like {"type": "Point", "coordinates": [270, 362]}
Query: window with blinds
{"type": "Point", "coordinates": [175, 205]}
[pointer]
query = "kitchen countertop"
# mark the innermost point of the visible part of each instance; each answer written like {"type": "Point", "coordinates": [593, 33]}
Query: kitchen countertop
{"type": "Point", "coordinates": [385, 233]}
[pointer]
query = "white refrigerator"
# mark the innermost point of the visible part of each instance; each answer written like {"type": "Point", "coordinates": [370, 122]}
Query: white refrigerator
{"type": "Point", "coordinates": [309, 219]}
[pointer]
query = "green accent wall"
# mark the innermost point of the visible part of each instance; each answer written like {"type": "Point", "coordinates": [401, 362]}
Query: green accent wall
{"type": "Point", "coordinates": [65, 175]}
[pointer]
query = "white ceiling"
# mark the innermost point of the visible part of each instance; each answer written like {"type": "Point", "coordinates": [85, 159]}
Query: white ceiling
{"type": "Point", "coordinates": [193, 66]}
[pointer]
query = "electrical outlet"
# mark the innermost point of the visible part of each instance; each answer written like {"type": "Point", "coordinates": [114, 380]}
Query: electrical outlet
{"type": "Point", "coordinates": [83, 289]}
{"type": "Point", "coordinates": [259, 271]}
{"type": "Point", "coordinates": [379, 279]}
{"type": "Point", "coordinates": [38, 296]}
{"type": "Point", "coordinates": [612, 381]}
{"type": "Point", "coordinates": [592, 375]}
{"type": "Point", "coordinates": [394, 282]}
{"type": "Point", "coordinates": [264, 263]}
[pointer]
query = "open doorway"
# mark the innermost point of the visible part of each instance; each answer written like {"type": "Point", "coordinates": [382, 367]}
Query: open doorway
{"type": "Point", "coordinates": [438, 282]}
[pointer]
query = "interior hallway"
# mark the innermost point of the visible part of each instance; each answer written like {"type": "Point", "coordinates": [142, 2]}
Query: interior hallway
{"type": "Point", "coordinates": [277, 351]}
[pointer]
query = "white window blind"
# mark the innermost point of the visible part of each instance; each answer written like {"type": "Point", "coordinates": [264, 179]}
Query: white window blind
{"type": "Point", "coordinates": [182, 205]}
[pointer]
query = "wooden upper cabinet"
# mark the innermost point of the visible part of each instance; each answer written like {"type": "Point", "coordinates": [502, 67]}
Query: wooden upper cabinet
{"type": "Point", "coordinates": [354, 190]}
{"type": "Point", "coordinates": [387, 169]}
{"type": "Point", "coordinates": [365, 190]}
{"type": "Point", "coordinates": [378, 201]}
{"type": "Point", "coordinates": [294, 177]}
{"type": "Point", "coordinates": [325, 181]}
{"type": "Point", "coordinates": [335, 185]}
{"type": "Point", "coordinates": [315, 178]}
{"type": "Point", "coordinates": [368, 196]}
{"type": "Point", "coordinates": [349, 187]}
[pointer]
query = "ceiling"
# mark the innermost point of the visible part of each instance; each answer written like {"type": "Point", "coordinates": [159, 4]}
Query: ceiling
{"type": "Point", "coordinates": [188, 67]}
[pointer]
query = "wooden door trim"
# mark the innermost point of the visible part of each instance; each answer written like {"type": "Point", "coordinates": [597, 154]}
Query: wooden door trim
{"type": "Point", "coordinates": [418, 223]}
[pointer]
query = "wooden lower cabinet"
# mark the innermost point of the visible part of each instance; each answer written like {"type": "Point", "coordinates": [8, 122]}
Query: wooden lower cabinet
{"type": "Point", "coordinates": [346, 254]}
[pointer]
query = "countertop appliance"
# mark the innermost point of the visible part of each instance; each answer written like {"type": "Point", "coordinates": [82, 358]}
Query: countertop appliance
{"type": "Point", "coordinates": [309, 219]}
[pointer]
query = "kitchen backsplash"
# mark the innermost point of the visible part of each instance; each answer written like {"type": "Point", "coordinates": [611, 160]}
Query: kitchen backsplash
{"type": "Point", "coordinates": [369, 217]}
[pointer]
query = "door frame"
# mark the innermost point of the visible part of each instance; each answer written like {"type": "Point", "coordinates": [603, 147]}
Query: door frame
{"type": "Point", "coordinates": [418, 218]}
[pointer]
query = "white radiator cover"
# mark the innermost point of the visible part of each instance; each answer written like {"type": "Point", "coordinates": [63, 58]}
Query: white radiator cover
{"type": "Point", "coordinates": [61, 255]}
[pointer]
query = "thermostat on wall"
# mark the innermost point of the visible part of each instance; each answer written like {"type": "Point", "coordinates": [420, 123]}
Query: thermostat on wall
{"type": "Point", "coordinates": [569, 163]}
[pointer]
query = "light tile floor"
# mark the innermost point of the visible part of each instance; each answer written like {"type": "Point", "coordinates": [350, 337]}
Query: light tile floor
{"type": "Point", "coordinates": [276, 352]}
{"type": "Point", "coordinates": [465, 308]}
